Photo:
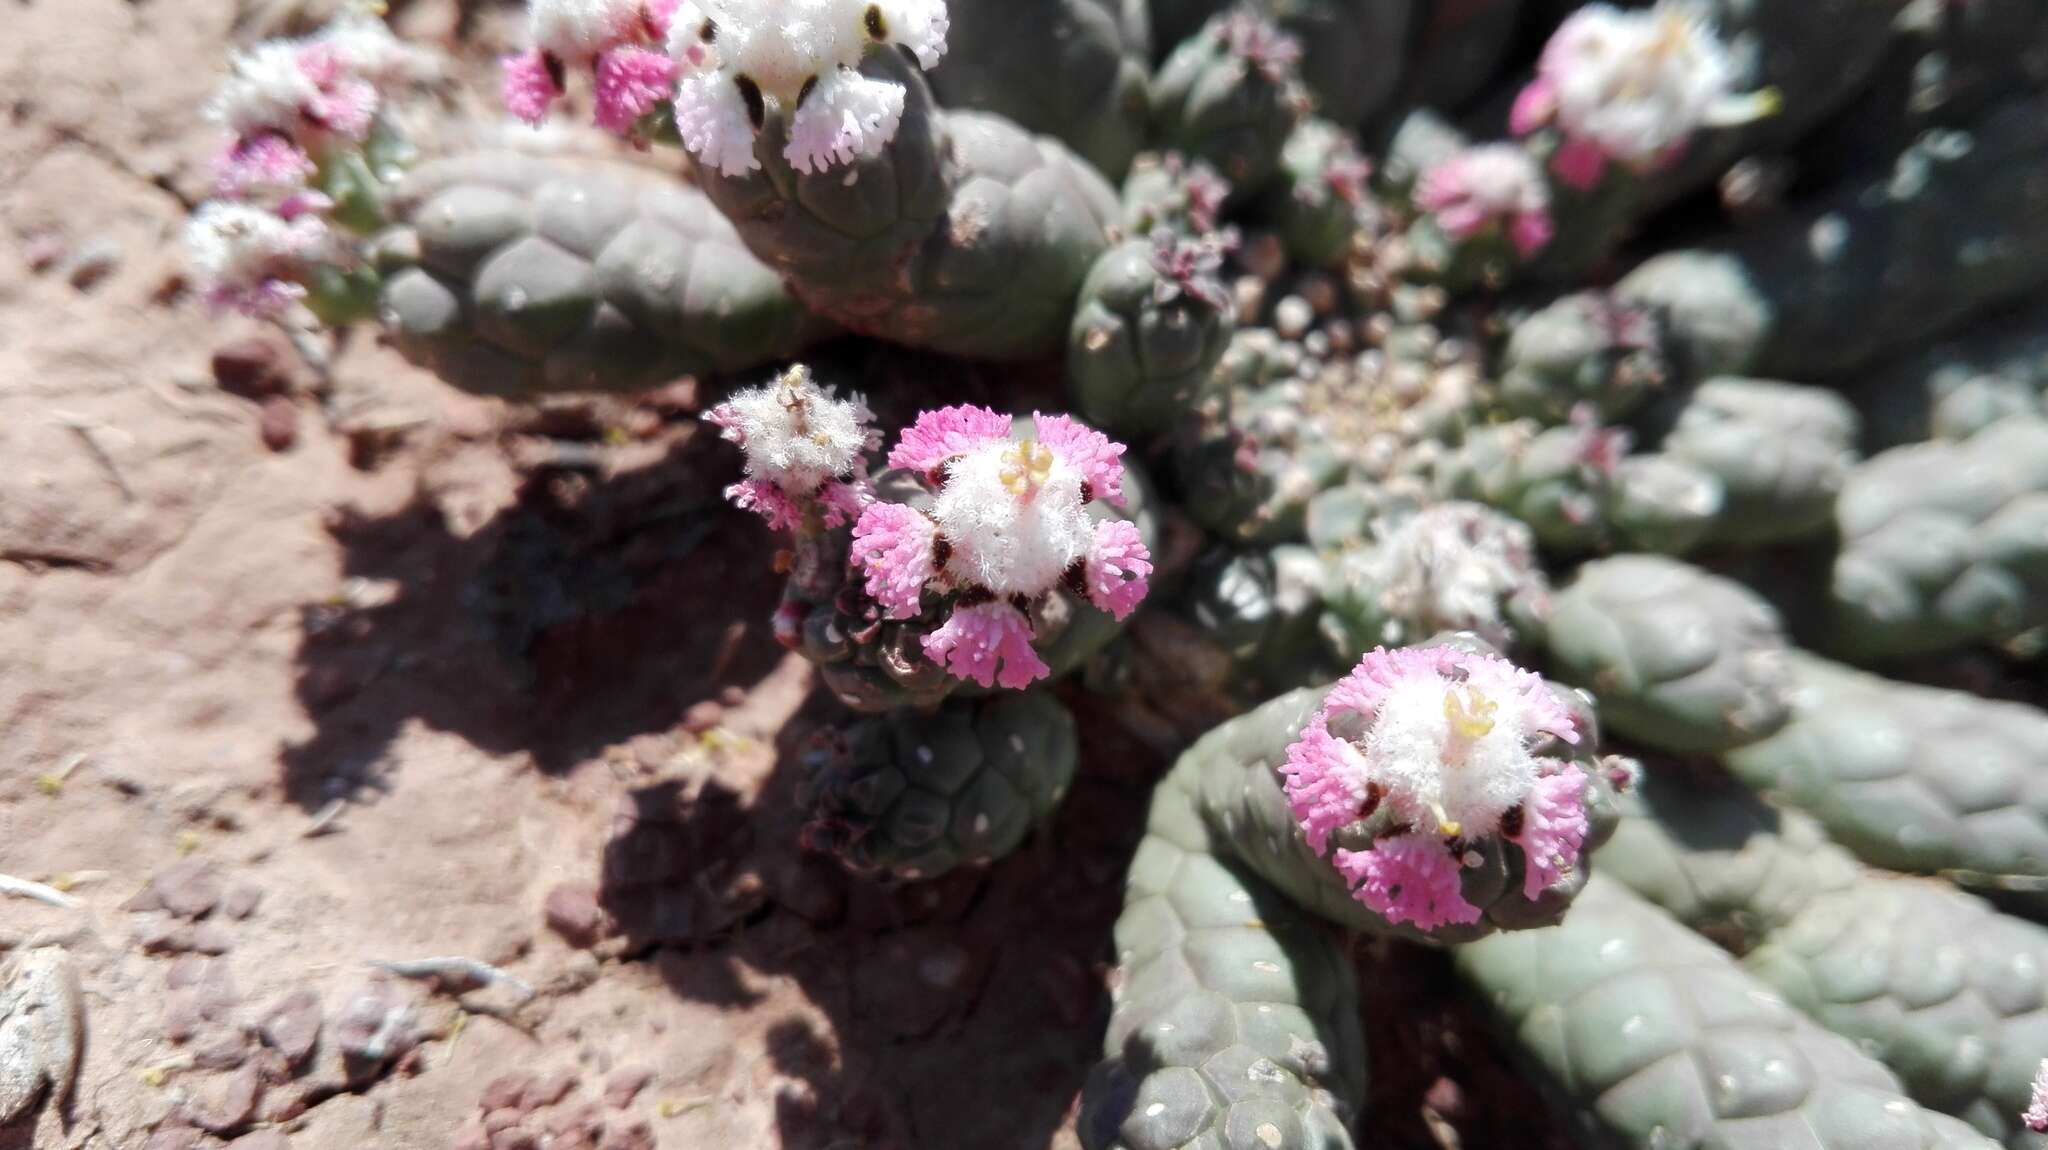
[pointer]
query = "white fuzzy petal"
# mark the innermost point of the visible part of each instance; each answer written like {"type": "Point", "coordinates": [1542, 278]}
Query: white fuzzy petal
{"type": "Point", "coordinates": [846, 117]}
{"type": "Point", "coordinates": [266, 89]}
{"type": "Point", "coordinates": [711, 118]}
{"type": "Point", "coordinates": [919, 25]}
{"type": "Point", "coordinates": [579, 30]}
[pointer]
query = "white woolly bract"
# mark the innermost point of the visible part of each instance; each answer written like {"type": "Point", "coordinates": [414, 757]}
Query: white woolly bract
{"type": "Point", "coordinates": [1502, 179]}
{"type": "Point", "coordinates": [235, 246]}
{"type": "Point", "coordinates": [368, 49]}
{"type": "Point", "coordinates": [711, 121]}
{"type": "Point", "coordinates": [266, 89]}
{"type": "Point", "coordinates": [797, 434]}
{"type": "Point", "coordinates": [1637, 83]}
{"type": "Point", "coordinates": [578, 30]}
{"type": "Point", "coordinates": [1436, 777]}
{"type": "Point", "coordinates": [1012, 541]}
{"type": "Point", "coordinates": [846, 117]}
{"type": "Point", "coordinates": [1450, 567]}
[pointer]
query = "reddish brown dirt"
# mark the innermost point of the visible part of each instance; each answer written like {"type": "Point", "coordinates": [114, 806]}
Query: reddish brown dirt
{"type": "Point", "coordinates": [484, 665]}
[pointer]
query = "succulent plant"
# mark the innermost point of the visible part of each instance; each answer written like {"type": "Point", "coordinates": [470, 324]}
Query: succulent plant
{"type": "Point", "coordinates": [1423, 333]}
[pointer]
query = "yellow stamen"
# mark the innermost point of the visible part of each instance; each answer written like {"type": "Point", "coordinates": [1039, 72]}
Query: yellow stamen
{"type": "Point", "coordinates": [1469, 712]}
{"type": "Point", "coordinates": [1026, 467]}
{"type": "Point", "coordinates": [1445, 825]}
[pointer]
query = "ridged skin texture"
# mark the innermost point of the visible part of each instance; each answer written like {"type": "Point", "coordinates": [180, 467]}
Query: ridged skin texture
{"type": "Point", "coordinates": [516, 275]}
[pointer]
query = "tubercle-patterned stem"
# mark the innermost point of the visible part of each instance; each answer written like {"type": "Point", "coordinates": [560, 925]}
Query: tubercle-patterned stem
{"type": "Point", "coordinates": [1947, 992]}
{"type": "Point", "coordinates": [966, 235]}
{"type": "Point", "coordinates": [1655, 1038]}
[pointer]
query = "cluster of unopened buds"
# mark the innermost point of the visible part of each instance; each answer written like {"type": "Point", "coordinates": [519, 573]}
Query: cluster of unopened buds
{"type": "Point", "coordinates": [1192, 266]}
{"type": "Point", "coordinates": [721, 65]}
{"type": "Point", "coordinates": [1446, 743]}
{"type": "Point", "coordinates": [1007, 524]}
{"type": "Point", "coordinates": [1629, 88]}
{"type": "Point", "coordinates": [295, 112]}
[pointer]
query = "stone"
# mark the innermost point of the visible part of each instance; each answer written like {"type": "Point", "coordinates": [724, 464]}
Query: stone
{"type": "Point", "coordinates": [471, 1137]}
{"type": "Point", "coordinates": [572, 911]}
{"type": "Point", "coordinates": [515, 1139]}
{"type": "Point", "coordinates": [172, 1138]}
{"type": "Point", "coordinates": [262, 1140]}
{"type": "Point", "coordinates": [227, 1104]}
{"type": "Point", "coordinates": [292, 1027]}
{"type": "Point", "coordinates": [623, 1085]}
{"type": "Point", "coordinates": [547, 1090]}
{"type": "Point", "coordinates": [42, 1030]}
{"type": "Point", "coordinates": [502, 1093]}
{"type": "Point", "coordinates": [252, 368]}
{"type": "Point", "coordinates": [189, 889]}
{"type": "Point", "coordinates": [277, 423]}
{"type": "Point", "coordinates": [242, 900]}
{"type": "Point", "coordinates": [631, 1136]}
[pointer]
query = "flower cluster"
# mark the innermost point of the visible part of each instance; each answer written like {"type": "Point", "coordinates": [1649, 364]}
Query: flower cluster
{"type": "Point", "coordinates": [2036, 1116]}
{"type": "Point", "coordinates": [1191, 267]}
{"type": "Point", "coordinates": [622, 42]}
{"type": "Point", "coordinates": [739, 57]}
{"type": "Point", "coordinates": [1489, 190]}
{"type": "Point", "coordinates": [1452, 567]}
{"type": "Point", "coordinates": [1261, 44]}
{"type": "Point", "coordinates": [804, 450]}
{"type": "Point", "coordinates": [293, 110]}
{"type": "Point", "coordinates": [1176, 192]}
{"type": "Point", "coordinates": [1631, 87]}
{"type": "Point", "coordinates": [1008, 524]}
{"type": "Point", "coordinates": [1445, 741]}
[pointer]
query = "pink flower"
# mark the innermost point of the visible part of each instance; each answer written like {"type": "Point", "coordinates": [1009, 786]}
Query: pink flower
{"type": "Point", "coordinates": [529, 85]}
{"type": "Point", "coordinates": [346, 103]}
{"type": "Point", "coordinates": [805, 449]}
{"type": "Point", "coordinates": [630, 82]}
{"type": "Point", "coordinates": [893, 545]}
{"type": "Point", "coordinates": [939, 435]}
{"type": "Point", "coordinates": [1408, 878]}
{"type": "Point", "coordinates": [1553, 829]}
{"type": "Point", "coordinates": [1007, 525]}
{"type": "Point", "coordinates": [258, 167]}
{"type": "Point", "coordinates": [1491, 189]}
{"type": "Point", "coordinates": [1535, 106]}
{"type": "Point", "coordinates": [975, 639]}
{"type": "Point", "coordinates": [1445, 739]}
{"type": "Point", "coordinates": [2036, 1116]}
{"type": "Point", "coordinates": [1579, 163]}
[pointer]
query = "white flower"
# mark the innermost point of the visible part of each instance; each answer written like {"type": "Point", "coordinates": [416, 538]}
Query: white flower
{"type": "Point", "coordinates": [369, 50]}
{"type": "Point", "coordinates": [266, 90]}
{"type": "Point", "coordinates": [801, 57]}
{"type": "Point", "coordinates": [248, 258]}
{"type": "Point", "coordinates": [1015, 516]}
{"type": "Point", "coordinates": [1637, 84]}
{"type": "Point", "coordinates": [1450, 567]}
{"type": "Point", "coordinates": [847, 116]}
{"type": "Point", "coordinates": [581, 30]}
{"type": "Point", "coordinates": [797, 434]}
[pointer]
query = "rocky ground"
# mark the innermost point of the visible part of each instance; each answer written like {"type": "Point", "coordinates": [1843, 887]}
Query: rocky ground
{"type": "Point", "coordinates": [305, 683]}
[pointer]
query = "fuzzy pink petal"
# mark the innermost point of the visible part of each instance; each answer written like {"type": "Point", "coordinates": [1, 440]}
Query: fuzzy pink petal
{"type": "Point", "coordinates": [949, 431]}
{"type": "Point", "coordinates": [268, 299]}
{"type": "Point", "coordinates": [1534, 107]}
{"type": "Point", "coordinates": [892, 545]}
{"type": "Point", "coordinates": [1553, 829]}
{"type": "Point", "coordinates": [259, 162]}
{"type": "Point", "coordinates": [1117, 567]}
{"type": "Point", "coordinates": [1441, 185]}
{"type": "Point", "coordinates": [1324, 790]}
{"type": "Point", "coordinates": [1410, 878]}
{"type": "Point", "coordinates": [1463, 220]}
{"type": "Point", "coordinates": [976, 638]}
{"type": "Point", "coordinates": [844, 502]}
{"type": "Point", "coordinates": [768, 501]}
{"type": "Point", "coordinates": [2036, 1116]}
{"type": "Point", "coordinates": [630, 82]}
{"type": "Point", "coordinates": [1096, 456]}
{"type": "Point", "coordinates": [1579, 163]}
{"type": "Point", "coordinates": [346, 108]}
{"type": "Point", "coordinates": [1366, 687]}
{"type": "Point", "coordinates": [1531, 232]}
{"type": "Point", "coordinates": [527, 87]}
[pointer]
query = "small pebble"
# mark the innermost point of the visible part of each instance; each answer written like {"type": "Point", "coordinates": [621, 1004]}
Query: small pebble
{"type": "Point", "coordinates": [625, 1084]}
{"type": "Point", "coordinates": [1292, 317]}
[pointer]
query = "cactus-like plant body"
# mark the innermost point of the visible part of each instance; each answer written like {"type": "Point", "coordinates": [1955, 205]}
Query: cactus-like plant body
{"type": "Point", "coordinates": [1251, 461]}
{"type": "Point", "coordinates": [1961, 386]}
{"type": "Point", "coordinates": [1947, 992]}
{"type": "Point", "coordinates": [967, 235]}
{"type": "Point", "coordinates": [1913, 778]}
{"type": "Point", "coordinates": [516, 275]}
{"type": "Point", "coordinates": [1145, 337]}
{"type": "Point", "coordinates": [1229, 95]}
{"type": "Point", "coordinates": [1781, 453]}
{"type": "Point", "coordinates": [1655, 1038]}
{"type": "Point", "coordinates": [1075, 70]}
{"type": "Point", "coordinates": [913, 795]}
{"type": "Point", "coordinates": [1943, 545]}
{"type": "Point", "coordinates": [1680, 660]}
{"type": "Point", "coordinates": [1958, 224]}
